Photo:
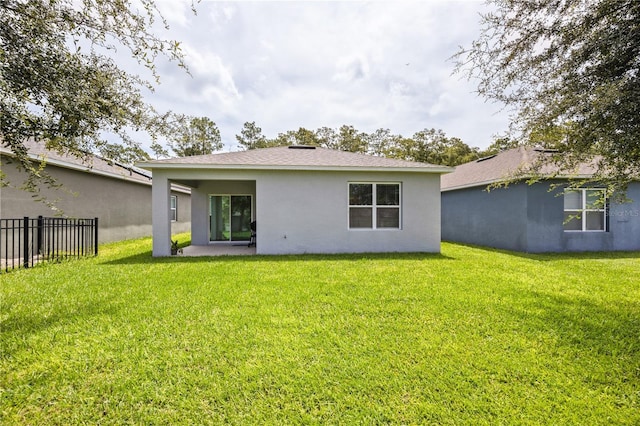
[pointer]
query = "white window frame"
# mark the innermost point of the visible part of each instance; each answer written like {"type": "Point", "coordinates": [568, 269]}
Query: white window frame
{"type": "Point", "coordinates": [374, 206]}
{"type": "Point", "coordinates": [173, 205]}
{"type": "Point", "coordinates": [583, 210]}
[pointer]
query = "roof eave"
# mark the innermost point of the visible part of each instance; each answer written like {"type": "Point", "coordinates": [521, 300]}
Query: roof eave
{"type": "Point", "coordinates": [492, 181]}
{"type": "Point", "coordinates": [78, 167]}
{"type": "Point", "coordinates": [245, 167]}
{"type": "Point", "coordinates": [471, 185]}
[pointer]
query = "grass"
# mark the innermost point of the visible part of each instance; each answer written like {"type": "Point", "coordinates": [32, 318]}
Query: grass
{"type": "Point", "coordinates": [472, 336]}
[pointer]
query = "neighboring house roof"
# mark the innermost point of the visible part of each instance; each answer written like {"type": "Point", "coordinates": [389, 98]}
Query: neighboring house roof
{"type": "Point", "coordinates": [294, 158]}
{"type": "Point", "coordinates": [92, 164]}
{"type": "Point", "coordinates": [503, 166]}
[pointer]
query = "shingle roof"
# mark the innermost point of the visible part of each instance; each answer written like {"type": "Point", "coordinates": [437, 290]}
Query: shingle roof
{"type": "Point", "coordinates": [91, 164]}
{"type": "Point", "coordinates": [501, 167]}
{"type": "Point", "coordinates": [286, 158]}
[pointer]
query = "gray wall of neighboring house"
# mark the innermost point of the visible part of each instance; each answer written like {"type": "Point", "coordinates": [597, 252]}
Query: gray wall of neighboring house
{"type": "Point", "coordinates": [624, 220]}
{"type": "Point", "coordinates": [495, 219]}
{"type": "Point", "coordinates": [122, 206]}
{"type": "Point", "coordinates": [529, 218]}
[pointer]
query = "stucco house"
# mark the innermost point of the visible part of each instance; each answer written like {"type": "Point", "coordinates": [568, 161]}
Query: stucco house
{"type": "Point", "coordinates": [534, 218]}
{"type": "Point", "coordinates": [304, 199]}
{"type": "Point", "coordinates": [118, 195]}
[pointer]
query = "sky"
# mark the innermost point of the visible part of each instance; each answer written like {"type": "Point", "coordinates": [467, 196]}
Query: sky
{"type": "Point", "coordinates": [311, 64]}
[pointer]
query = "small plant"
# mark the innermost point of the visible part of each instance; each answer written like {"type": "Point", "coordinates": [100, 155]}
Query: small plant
{"type": "Point", "coordinates": [174, 247]}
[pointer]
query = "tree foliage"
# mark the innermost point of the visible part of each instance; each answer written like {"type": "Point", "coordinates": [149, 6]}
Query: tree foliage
{"type": "Point", "coordinates": [570, 72]}
{"type": "Point", "coordinates": [194, 136]}
{"type": "Point", "coordinates": [500, 144]}
{"type": "Point", "coordinates": [428, 145]}
{"type": "Point", "coordinates": [433, 146]}
{"type": "Point", "coordinates": [349, 139]}
{"type": "Point", "coordinates": [58, 83]}
{"type": "Point", "coordinates": [251, 136]}
{"type": "Point", "coordinates": [123, 154]}
{"type": "Point", "coordinates": [301, 136]}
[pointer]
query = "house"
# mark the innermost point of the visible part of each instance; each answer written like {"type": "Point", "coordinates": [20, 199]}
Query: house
{"type": "Point", "coordinates": [304, 199]}
{"type": "Point", "coordinates": [534, 218]}
{"type": "Point", "coordinates": [118, 195]}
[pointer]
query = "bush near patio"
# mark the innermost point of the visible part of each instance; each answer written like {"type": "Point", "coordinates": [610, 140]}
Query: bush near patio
{"type": "Point", "coordinates": [472, 336]}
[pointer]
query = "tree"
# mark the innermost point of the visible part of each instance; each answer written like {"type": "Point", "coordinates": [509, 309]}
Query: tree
{"type": "Point", "coordinates": [124, 155]}
{"type": "Point", "coordinates": [434, 147]}
{"type": "Point", "coordinates": [455, 152]}
{"type": "Point", "coordinates": [327, 137]}
{"type": "Point", "coordinates": [283, 139]}
{"type": "Point", "coordinates": [251, 136]}
{"type": "Point", "coordinates": [499, 145]}
{"type": "Point", "coordinates": [380, 142]}
{"type": "Point", "coordinates": [58, 84]}
{"type": "Point", "coordinates": [301, 136]}
{"type": "Point", "coordinates": [158, 150]}
{"type": "Point", "coordinates": [349, 139]}
{"type": "Point", "coordinates": [569, 70]}
{"type": "Point", "coordinates": [405, 149]}
{"type": "Point", "coordinates": [195, 136]}
{"type": "Point", "coordinates": [306, 137]}
{"type": "Point", "coordinates": [428, 145]}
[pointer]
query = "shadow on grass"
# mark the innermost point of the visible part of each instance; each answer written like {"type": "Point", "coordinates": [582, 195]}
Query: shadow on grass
{"type": "Point", "coordinates": [17, 327]}
{"type": "Point", "coordinates": [550, 256]}
{"type": "Point", "coordinates": [147, 258]}
{"type": "Point", "coordinates": [610, 330]}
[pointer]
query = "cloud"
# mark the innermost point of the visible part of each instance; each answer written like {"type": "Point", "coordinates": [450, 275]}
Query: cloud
{"type": "Point", "coordinates": [351, 68]}
{"type": "Point", "coordinates": [287, 65]}
{"type": "Point", "coordinates": [175, 12]}
{"type": "Point", "coordinates": [212, 79]}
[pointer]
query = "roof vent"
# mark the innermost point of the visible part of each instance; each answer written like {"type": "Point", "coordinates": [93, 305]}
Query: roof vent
{"type": "Point", "coordinates": [302, 147]}
{"type": "Point", "coordinates": [546, 150]}
{"type": "Point", "coordinates": [488, 157]}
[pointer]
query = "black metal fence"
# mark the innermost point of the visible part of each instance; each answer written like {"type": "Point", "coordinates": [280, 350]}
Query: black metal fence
{"type": "Point", "coordinates": [27, 241]}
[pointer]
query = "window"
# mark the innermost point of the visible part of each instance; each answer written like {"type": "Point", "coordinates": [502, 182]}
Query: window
{"type": "Point", "coordinates": [174, 208]}
{"type": "Point", "coordinates": [374, 206]}
{"type": "Point", "coordinates": [585, 210]}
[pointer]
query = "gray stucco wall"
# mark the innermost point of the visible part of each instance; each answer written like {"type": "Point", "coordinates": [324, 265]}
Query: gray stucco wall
{"type": "Point", "coordinates": [307, 212]}
{"type": "Point", "coordinates": [624, 221]}
{"type": "Point", "coordinates": [123, 207]}
{"type": "Point", "coordinates": [546, 233]}
{"type": "Point", "coordinates": [494, 219]}
{"type": "Point", "coordinates": [537, 225]}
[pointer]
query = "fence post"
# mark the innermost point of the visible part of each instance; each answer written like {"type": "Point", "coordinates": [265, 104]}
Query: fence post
{"type": "Point", "coordinates": [95, 239]}
{"type": "Point", "coordinates": [25, 240]}
{"type": "Point", "coordinates": [39, 234]}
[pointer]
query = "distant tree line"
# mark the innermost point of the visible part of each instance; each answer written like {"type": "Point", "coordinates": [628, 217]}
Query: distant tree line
{"type": "Point", "coordinates": [191, 136]}
{"type": "Point", "coordinates": [427, 146]}
{"type": "Point", "coordinates": [201, 136]}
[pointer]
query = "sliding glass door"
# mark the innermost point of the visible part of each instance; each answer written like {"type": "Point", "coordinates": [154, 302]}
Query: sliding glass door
{"type": "Point", "coordinates": [230, 217]}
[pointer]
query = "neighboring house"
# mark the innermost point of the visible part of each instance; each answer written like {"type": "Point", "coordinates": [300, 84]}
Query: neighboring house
{"type": "Point", "coordinates": [534, 218]}
{"type": "Point", "coordinates": [119, 196]}
{"type": "Point", "coordinates": [304, 200]}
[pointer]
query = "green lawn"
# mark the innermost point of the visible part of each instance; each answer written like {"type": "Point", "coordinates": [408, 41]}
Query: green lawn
{"type": "Point", "coordinates": [471, 336]}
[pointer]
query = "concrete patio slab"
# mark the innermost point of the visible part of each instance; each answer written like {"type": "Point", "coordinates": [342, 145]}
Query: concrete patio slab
{"type": "Point", "coordinates": [219, 250]}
